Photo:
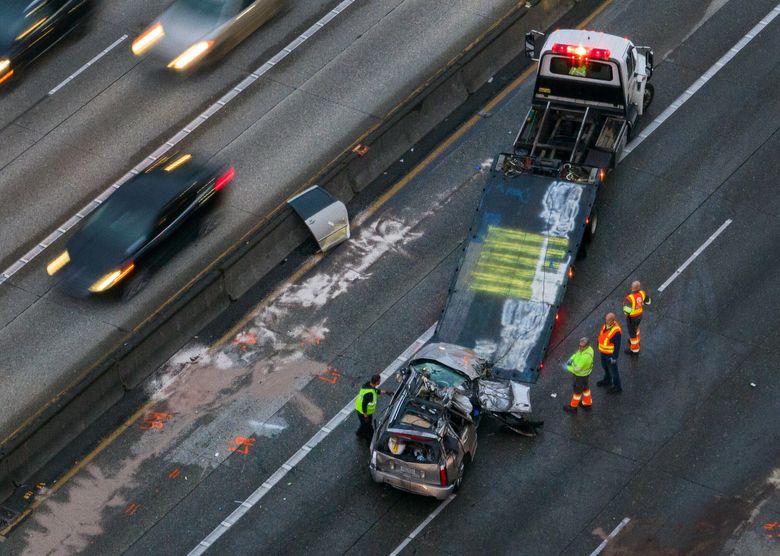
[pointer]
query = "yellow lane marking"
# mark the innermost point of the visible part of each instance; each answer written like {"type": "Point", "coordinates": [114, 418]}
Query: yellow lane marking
{"type": "Point", "coordinates": [105, 443]}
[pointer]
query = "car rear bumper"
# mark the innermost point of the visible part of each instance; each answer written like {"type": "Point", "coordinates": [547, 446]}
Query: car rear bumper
{"type": "Point", "coordinates": [423, 489]}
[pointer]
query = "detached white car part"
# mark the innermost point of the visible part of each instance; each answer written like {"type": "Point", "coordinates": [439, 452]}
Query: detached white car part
{"type": "Point", "coordinates": [324, 215]}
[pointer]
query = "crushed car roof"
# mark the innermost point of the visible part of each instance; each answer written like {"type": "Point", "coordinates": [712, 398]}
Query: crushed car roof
{"type": "Point", "coordinates": [461, 359]}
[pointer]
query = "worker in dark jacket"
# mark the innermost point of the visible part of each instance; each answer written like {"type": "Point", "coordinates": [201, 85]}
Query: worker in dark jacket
{"type": "Point", "coordinates": [365, 406]}
{"type": "Point", "coordinates": [609, 348]}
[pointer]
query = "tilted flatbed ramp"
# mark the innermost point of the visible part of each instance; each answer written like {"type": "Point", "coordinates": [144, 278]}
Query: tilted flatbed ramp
{"type": "Point", "coordinates": [512, 276]}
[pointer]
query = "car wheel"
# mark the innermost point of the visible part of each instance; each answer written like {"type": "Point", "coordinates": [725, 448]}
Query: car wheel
{"type": "Point", "coordinates": [135, 284]}
{"type": "Point", "coordinates": [461, 472]}
{"type": "Point", "coordinates": [208, 224]}
{"type": "Point", "coordinates": [648, 97]}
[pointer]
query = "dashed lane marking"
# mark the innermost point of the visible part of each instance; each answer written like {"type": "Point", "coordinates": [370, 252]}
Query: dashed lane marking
{"type": "Point", "coordinates": [244, 84]}
{"type": "Point", "coordinates": [611, 536]}
{"type": "Point", "coordinates": [86, 66]}
{"type": "Point", "coordinates": [298, 456]}
{"type": "Point", "coordinates": [423, 525]}
{"type": "Point", "coordinates": [701, 81]}
{"type": "Point", "coordinates": [696, 253]}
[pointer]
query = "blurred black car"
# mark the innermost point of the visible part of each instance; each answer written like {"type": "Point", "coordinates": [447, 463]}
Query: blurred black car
{"type": "Point", "coordinates": [28, 28]}
{"type": "Point", "coordinates": [189, 31]}
{"type": "Point", "coordinates": [134, 229]}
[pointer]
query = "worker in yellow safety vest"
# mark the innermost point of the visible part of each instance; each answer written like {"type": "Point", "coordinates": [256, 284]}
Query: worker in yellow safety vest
{"type": "Point", "coordinates": [365, 406]}
{"type": "Point", "coordinates": [580, 364]}
{"type": "Point", "coordinates": [633, 307]}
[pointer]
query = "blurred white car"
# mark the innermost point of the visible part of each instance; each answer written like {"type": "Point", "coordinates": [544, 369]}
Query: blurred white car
{"type": "Point", "coordinates": [190, 31]}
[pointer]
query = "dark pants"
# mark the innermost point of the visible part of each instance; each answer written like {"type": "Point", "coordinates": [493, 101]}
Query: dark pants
{"type": "Point", "coordinates": [632, 323]}
{"type": "Point", "coordinates": [366, 428]}
{"type": "Point", "coordinates": [581, 384]}
{"type": "Point", "coordinates": [610, 370]}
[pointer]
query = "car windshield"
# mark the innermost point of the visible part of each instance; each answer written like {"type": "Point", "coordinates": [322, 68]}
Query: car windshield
{"type": "Point", "coordinates": [119, 223]}
{"type": "Point", "coordinates": [441, 375]}
{"type": "Point", "coordinates": [203, 9]}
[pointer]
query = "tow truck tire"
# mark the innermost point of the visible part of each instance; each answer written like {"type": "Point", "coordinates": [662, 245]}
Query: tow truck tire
{"type": "Point", "coordinates": [647, 100]}
{"type": "Point", "coordinates": [592, 227]}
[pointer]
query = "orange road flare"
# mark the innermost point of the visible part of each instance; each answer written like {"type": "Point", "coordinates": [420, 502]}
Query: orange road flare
{"type": "Point", "coordinates": [360, 149]}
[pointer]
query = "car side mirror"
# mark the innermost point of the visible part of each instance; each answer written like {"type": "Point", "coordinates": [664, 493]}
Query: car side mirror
{"type": "Point", "coordinates": [530, 44]}
{"type": "Point", "coordinates": [648, 53]}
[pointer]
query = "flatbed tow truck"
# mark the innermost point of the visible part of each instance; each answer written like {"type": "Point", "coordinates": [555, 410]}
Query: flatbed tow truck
{"type": "Point", "coordinates": [537, 209]}
{"type": "Point", "coordinates": [539, 203]}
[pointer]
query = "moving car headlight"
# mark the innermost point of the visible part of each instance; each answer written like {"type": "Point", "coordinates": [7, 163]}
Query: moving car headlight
{"type": "Point", "coordinates": [53, 267]}
{"type": "Point", "coordinates": [148, 39]}
{"type": "Point", "coordinates": [111, 279]}
{"type": "Point", "coordinates": [5, 69]}
{"type": "Point", "coordinates": [190, 55]}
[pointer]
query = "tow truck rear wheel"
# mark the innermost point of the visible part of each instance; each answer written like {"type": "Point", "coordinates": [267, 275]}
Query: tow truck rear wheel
{"type": "Point", "coordinates": [647, 100]}
{"type": "Point", "coordinates": [592, 226]}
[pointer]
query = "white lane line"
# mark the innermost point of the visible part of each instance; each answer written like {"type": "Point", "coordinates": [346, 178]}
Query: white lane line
{"type": "Point", "coordinates": [696, 253]}
{"type": "Point", "coordinates": [611, 536]}
{"type": "Point", "coordinates": [699, 83]}
{"type": "Point", "coordinates": [177, 138]}
{"type": "Point", "coordinates": [79, 71]}
{"type": "Point", "coordinates": [423, 525]}
{"type": "Point", "coordinates": [298, 456]}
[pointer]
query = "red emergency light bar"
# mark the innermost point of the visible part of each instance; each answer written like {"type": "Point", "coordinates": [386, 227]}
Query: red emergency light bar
{"type": "Point", "coordinates": [579, 51]}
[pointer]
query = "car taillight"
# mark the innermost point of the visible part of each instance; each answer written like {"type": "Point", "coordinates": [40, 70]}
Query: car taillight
{"type": "Point", "coordinates": [225, 179]}
{"type": "Point", "coordinates": [443, 475]}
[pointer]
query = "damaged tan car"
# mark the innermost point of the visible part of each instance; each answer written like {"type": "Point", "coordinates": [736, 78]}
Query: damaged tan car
{"type": "Point", "coordinates": [428, 435]}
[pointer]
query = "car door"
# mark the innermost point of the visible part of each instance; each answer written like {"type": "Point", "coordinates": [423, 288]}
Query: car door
{"type": "Point", "coordinates": [636, 81]}
{"type": "Point", "coordinates": [172, 216]}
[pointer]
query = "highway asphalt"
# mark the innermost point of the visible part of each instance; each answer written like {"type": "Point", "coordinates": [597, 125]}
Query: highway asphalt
{"type": "Point", "coordinates": [72, 146]}
{"type": "Point", "coordinates": [685, 458]}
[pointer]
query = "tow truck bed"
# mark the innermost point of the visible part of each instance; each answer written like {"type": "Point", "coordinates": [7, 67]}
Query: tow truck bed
{"type": "Point", "coordinates": [511, 278]}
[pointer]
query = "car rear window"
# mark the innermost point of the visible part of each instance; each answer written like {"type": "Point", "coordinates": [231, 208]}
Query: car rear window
{"type": "Point", "coordinates": [600, 71]}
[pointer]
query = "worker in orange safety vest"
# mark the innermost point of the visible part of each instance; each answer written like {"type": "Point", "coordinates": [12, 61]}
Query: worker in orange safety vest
{"type": "Point", "coordinates": [609, 348]}
{"type": "Point", "coordinates": [633, 307]}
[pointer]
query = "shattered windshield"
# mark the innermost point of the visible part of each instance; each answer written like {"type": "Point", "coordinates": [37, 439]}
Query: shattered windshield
{"type": "Point", "coordinates": [438, 373]}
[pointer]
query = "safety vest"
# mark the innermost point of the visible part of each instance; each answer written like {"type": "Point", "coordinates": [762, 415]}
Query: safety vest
{"type": "Point", "coordinates": [359, 401]}
{"type": "Point", "coordinates": [605, 338]}
{"type": "Point", "coordinates": [581, 363]}
{"type": "Point", "coordinates": [578, 71]}
{"type": "Point", "coordinates": [634, 303]}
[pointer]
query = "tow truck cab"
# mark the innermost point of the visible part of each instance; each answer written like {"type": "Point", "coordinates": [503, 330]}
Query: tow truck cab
{"type": "Point", "coordinates": [590, 68]}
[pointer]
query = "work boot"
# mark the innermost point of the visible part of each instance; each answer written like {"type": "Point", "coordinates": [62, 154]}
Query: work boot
{"type": "Point", "coordinates": [569, 409]}
{"type": "Point", "coordinates": [614, 390]}
{"type": "Point", "coordinates": [587, 408]}
{"type": "Point", "coordinates": [603, 382]}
